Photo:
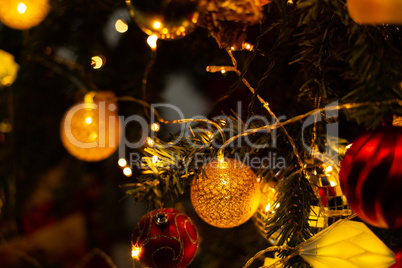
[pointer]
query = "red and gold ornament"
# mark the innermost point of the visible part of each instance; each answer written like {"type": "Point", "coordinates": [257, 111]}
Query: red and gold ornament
{"type": "Point", "coordinates": [164, 239]}
{"type": "Point", "coordinates": [398, 257]}
{"type": "Point", "coordinates": [371, 177]}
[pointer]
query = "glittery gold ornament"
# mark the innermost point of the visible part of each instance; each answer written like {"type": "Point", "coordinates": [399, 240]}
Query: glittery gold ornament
{"type": "Point", "coordinates": [8, 69]}
{"type": "Point", "coordinates": [228, 194]}
{"type": "Point", "coordinates": [227, 20]}
{"type": "Point", "coordinates": [90, 131]}
{"type": "Point", "coordinates": [167, 19]}
{"type": "Point", "coordinates": [23, 14]}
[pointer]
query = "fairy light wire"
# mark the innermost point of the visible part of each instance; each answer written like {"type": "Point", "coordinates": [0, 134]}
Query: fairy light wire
{"type": "Point", "coordinates": [266, 106]}
{"type": "Point", "coordinates": [310, 113]}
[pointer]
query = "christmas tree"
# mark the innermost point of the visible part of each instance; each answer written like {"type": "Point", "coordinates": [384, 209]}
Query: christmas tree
{"type": "Point", "coordinates": [200, 133]}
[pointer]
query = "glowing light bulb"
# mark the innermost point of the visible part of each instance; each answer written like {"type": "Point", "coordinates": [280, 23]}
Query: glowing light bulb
{"type": "Point", "coordinates": [88, 120]}
{"type": "Point", "coordinates": [157, 24]}
{"type": "Point", "coordinates": [210, 134]}
{"type": "Point", "coordinates": [127, 171]}
{"type": "Point", "coordinates": [122, 162]}
{"type": "Point", "coordinates": [97, 62]}
{"type": "Point", "coordinates": [332, 183]}
{"type": "Point", "coordinates": [223, 71]}
{"type": "Point", "coordinates": [150, 141]}
{"type": "Point", "coordinates": [247, 46]}
{"type": "Point", "coordinates": [21, 8]}
{"type": "Point", "coordinates": [154, 159]}
{"type": "Point", "coordinates": [155, 127]}
{"type": "Point", "coordinates": [152, 39]}
{"type": "Point", "coordinates": [121, 26]}
{"type": "Point", "coordinates": [135, 252]}
{"type": "Point", "coordinates": [268, 207]}
{"type": "Point", "coordinates": [23, 14]}
{"type": "Point", "coordinates": [328, 169]}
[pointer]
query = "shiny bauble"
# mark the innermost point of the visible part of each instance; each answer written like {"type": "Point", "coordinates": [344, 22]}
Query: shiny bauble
{"type": "Point", "coordinates": [371, 177]}
{"type": "Point", "coordinates": [90, 130]}
{"type": "Point", "coordinates": [377, 12]}
{"type": "Point", "coordinates": [165, 239]}
{"type": "Point", "coordinates": [23, 14]}
{"type": "Point", "coordinates": [167, 19]}
{"type": "Point", "coordinates": [226, 194]}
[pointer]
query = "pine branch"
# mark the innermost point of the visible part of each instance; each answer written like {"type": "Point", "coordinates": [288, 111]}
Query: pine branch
{"type": "Point", "coordinates": [295, 198]}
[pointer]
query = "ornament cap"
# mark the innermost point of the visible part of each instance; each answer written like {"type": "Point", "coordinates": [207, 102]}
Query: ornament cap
{"type": "Point", "coordinates": [161, 219]}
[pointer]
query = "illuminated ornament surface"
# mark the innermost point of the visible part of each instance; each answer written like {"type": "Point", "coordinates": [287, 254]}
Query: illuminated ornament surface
{"type": "Point", "coordinates": [371, 177]}
{"type": "Point", "coordinates": [398, 258]}
{"type": "Point", "coordinates": [375, 11]}
{"type": "Point", "coordinates": [347, 244]}
{"type": "Point", "coordinates": [8, 69]}
{"type": "Point", "coordinates": [90, 131]}
{"type": "Point", "coordinates": [23, 14]}
{"type": "Point", "coordinates": [228, 194]}
{"type": "Point", "coordinates": [165, 240]}
{"type": "Point", "coordinates": [166, 19]}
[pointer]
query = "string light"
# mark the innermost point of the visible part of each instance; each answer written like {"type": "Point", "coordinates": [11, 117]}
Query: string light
{"type": "Point", "coordinates": [98, 61]}
{"type": "Point", "coordinates": [152, 41]}
{"type": "Point", "coordinates": [121, 26]}
{"type": "Point", "coordinates": [135, 252]}
{"type": "Point", "coordinates": [210, 134]}
{"type": "Point", "coordinates": [127, 171]}
{"type": "Point", "coordinates": [154, 159]}
{"type": "Point", "coordinates": [331, 175]}
{"type": "Point", "coordinates": [328, 169]}
{"type": "Point", "coordinates": [247, 46]}
{"type": "Point", "coordinates": [155, 127]}
{"type": "Point", "coordinates": [150, 141]}
{"type": "Point", "coordinates": [23, 14]}
{"type": "Point", "coordinates": [122, 162]}
{"type": "Point", "coordinates": [157, 25]}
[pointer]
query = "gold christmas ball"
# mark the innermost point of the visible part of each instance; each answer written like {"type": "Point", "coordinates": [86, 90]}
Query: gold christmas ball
{"type": "Point", "coordinates": [228, 195]}
{"type": "Point", "coordinates": [23, 14]}
{"type": "Point", "coordinates": [167, 19]}
{"type": "Point", "coordinates": [90, 130]}
{"type": "Point", "coordinates": [8, 69]}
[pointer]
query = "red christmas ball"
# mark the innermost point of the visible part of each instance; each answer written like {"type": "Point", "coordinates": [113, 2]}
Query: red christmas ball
{"type": "Point", "coordinates": [164, 239]}
{"type": "Point", "coordinates": [398, 258]}
{"type": "Point", "coordinates": [371, 177]}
